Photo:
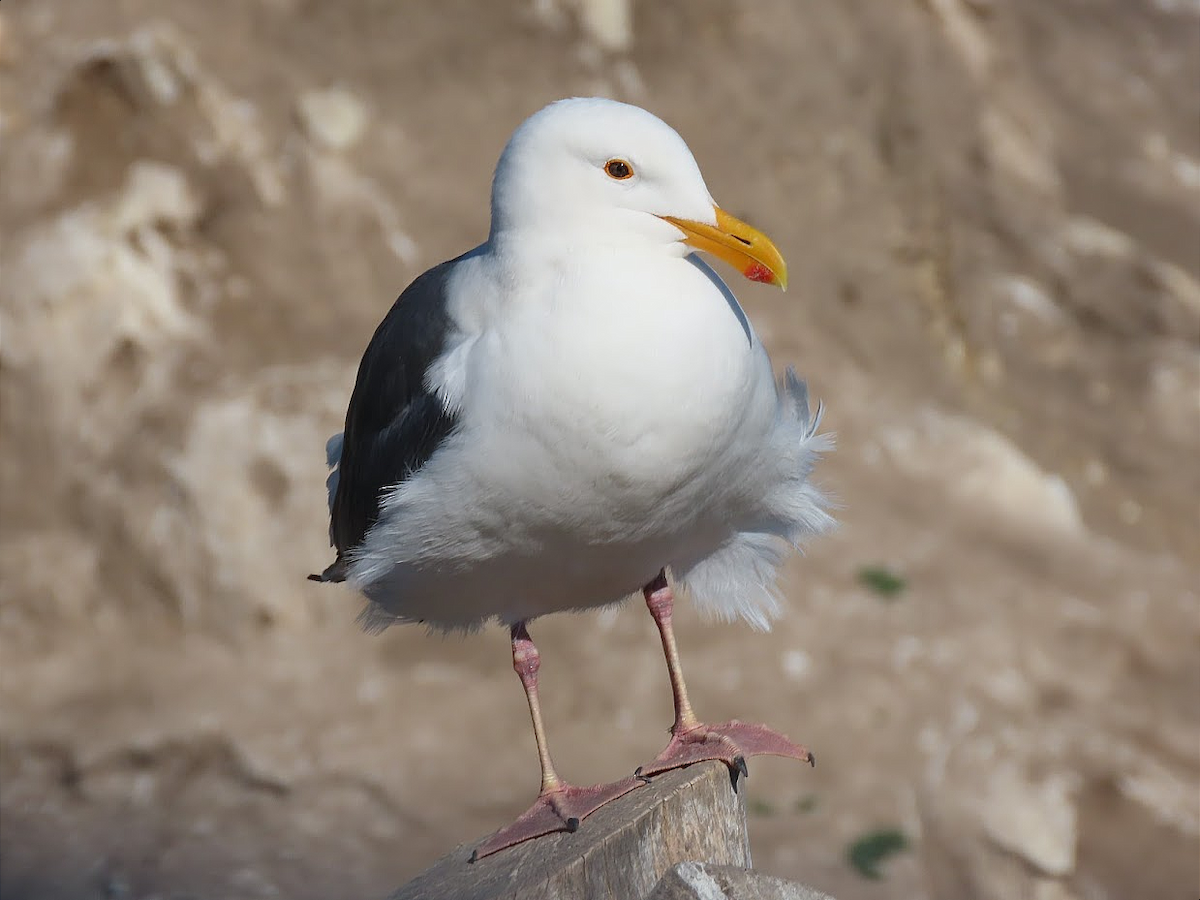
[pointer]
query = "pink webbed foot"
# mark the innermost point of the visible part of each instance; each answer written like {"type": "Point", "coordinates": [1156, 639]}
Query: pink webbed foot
{"type": "Point", "coordinates": [731, 743]}
{"type": "Point", "coordinates": [560, 809]}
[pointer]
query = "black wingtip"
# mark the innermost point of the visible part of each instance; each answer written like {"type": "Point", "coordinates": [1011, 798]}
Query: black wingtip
{"type": "Point", "coordinates": [335, 572]}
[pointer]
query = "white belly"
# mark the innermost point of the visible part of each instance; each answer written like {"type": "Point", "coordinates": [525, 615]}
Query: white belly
{"type": "Point", "coordinates": [604, 434]}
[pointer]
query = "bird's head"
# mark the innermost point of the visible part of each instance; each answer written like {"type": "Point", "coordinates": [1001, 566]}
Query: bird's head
{"type": "Point", "coordinates": [607, 172]}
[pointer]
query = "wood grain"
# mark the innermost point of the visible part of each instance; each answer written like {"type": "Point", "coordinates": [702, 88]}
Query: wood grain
{"type": "Point", "coordinates": [620, 851]}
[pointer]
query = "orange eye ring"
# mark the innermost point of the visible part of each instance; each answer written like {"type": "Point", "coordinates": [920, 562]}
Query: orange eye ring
{"type": "Point", "coordinates": [618, 169]}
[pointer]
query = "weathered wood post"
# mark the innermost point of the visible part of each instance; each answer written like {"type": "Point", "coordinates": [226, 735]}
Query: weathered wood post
{"type": "Point", "coordinates": [620, 851]}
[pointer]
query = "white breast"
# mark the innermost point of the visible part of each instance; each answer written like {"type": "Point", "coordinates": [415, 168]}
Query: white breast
{"type": "Point", "coordinates": [640, 374]}
{"type": "Point", "coordinates": [613, 420]}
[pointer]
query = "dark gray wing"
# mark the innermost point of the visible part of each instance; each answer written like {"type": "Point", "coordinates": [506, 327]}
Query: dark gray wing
{"type": "Point", "coordinates": [393, 424]}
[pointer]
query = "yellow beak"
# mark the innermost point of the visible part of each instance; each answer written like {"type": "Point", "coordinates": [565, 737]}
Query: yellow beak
{"type": "Point", "coordinates": [746, 249]}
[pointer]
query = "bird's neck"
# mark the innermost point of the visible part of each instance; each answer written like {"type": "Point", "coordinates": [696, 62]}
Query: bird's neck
{"type": "Point", "coordinates": [610, 232]}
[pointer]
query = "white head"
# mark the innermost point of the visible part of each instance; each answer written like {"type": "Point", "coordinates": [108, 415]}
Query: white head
{"type": "Point", "coordinates": [590, 169]}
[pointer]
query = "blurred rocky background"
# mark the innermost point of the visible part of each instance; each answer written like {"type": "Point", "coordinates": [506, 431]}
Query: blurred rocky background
{"type": "Point", "coordinates": [992, 213]}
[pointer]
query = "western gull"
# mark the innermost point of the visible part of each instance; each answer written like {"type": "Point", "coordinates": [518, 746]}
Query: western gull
{"type": "Point", "coordinates": [561, 416]}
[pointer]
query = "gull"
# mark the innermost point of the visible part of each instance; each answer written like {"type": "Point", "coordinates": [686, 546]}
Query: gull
{"type": "Point", "coordinates": [562, 416]}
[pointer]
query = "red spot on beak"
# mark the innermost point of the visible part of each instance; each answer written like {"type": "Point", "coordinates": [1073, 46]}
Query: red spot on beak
{"type": "Point", "coordinates": [760, 273]}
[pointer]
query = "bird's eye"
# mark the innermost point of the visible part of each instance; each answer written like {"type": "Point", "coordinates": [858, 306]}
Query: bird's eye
{"type": "Point", "coordinates": [618, 169]}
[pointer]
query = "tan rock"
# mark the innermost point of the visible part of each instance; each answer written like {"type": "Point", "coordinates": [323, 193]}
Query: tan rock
{"type": "Point", "coordinates": [334, 118]}
{"type": "Point", "coordinates": [1034, 821]}
{"type": "Point", "coordinates": [982, 470]}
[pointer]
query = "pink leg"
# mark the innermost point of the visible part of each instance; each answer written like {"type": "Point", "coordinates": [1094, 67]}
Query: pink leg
{"type": "Point", "coordinates": [692, 740]}
{"type": "Point", "coordinates": [559, 806]}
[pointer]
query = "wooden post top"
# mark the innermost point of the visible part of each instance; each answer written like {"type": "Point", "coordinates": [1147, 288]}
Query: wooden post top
{"type": "Point", "coordinates": [621, 850]}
